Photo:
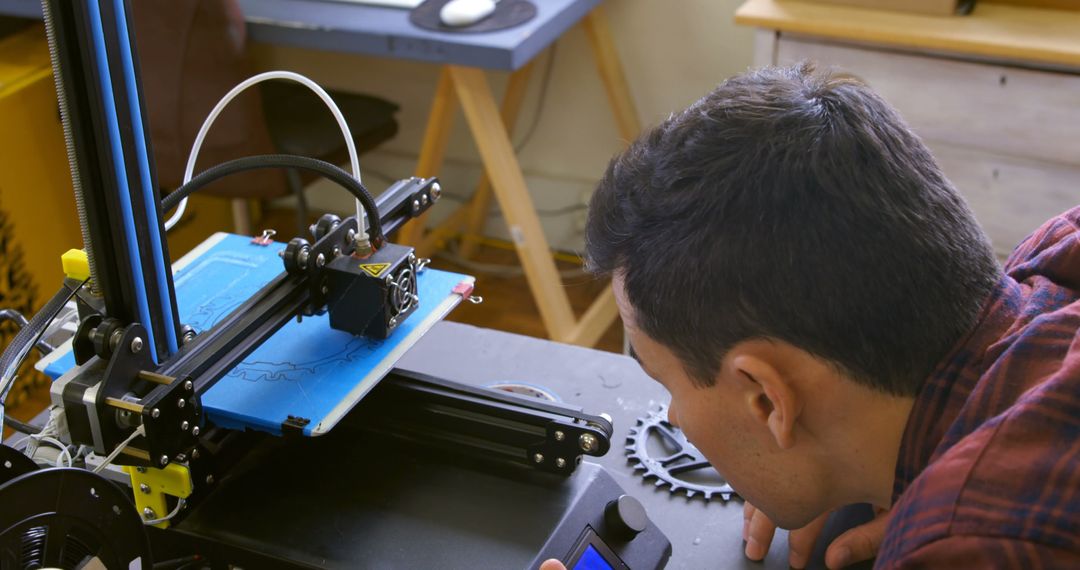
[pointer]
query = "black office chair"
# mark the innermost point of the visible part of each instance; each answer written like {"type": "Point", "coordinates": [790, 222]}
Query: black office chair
{"type": "Point", "coordinates": [299, 123]}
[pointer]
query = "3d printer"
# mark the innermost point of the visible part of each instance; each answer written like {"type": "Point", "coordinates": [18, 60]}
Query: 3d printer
{"type": "Point", "coordinates": [194, 487]}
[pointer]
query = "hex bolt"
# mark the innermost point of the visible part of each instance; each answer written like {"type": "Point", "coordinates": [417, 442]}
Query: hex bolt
{"type": "Point", "coordinates": [184, 426]}
{"type": "Point", "coordinates": [189, 385]}
{"type": "Point", "coordinates": [588, 442]}
{"type": "Point", "coordinates": [436, 191]}
{"type": "Point", "coordinates": [136, 344]}
{"type": "Point", "coordinates": [181, 403]}
{"type": "Point", "coordinates": [559, 436]}
{"type": "Point", "coordinates": [144, 488]}
{"type": "Point", "coordinates": [560, 463]}
{"type": "Point", "coordinates": [539, 458]}
{"type": "Point", "coordinates": [164, 460]}
{"type": "Point", "coordinates": [320, 260]}
{"type": "Point", "coordinates": [195, 431]}
{"type": "Point", "coordinates": [149, 513]}
{"type": "Point", "coordinates": [154, 413]}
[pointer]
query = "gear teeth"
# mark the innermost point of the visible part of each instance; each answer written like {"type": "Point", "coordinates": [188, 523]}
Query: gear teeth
{"type": "Point", "coordinates": [650, 468]}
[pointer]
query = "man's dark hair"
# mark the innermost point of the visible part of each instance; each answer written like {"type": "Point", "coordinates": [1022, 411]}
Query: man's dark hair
{"type": "Point", "coordinates": [793, 205]}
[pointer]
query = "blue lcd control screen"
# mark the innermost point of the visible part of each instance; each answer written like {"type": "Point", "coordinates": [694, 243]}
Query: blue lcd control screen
{"type": "Point", "coordinates": [592, 560]}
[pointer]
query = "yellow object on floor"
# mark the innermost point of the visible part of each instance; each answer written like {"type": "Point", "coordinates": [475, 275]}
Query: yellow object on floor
{"type": "Point", "coordinates": [35, 180]}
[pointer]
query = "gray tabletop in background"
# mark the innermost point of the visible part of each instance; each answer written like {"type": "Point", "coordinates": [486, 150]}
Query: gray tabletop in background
{"type": "Point", "coordinates": [372, 30]}
{"type": "Point", "coordinates": [703, 534]}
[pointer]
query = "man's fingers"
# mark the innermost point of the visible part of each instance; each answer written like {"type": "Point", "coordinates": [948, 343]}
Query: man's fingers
{"type": "Point", "coordinates": [747, 514]}
{"type": "Point", "coordinates": [801, 542]}
{"type": "Point", "coordinates": [759, 536]}
{"type": "Point", "coordinates": [552, 565]}
{"type": "Point", "coordinates": [858, 544]}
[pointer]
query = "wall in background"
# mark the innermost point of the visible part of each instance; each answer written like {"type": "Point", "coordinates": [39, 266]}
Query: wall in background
{"type": "Point", "coordinates": [672, 53]}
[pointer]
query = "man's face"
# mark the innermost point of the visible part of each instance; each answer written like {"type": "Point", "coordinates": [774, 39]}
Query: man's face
{"type": "Point", "coordinates": [725, 423]}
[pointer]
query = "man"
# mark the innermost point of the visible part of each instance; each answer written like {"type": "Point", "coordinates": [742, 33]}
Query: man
{"type": "Point", "coordinates": [833, 327]}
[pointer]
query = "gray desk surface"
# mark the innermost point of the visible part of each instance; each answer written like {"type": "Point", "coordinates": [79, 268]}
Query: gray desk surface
{"type": "Point", "coordinates": [372, 30]}
{"type": "Point", "coordinates": [703, 535]}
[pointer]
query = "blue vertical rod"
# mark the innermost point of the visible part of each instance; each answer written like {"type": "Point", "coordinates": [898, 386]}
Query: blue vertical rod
{"type": "Point", "coordinates": [150, 202]}
{"type": "Point", "coordinates": [109, 106]}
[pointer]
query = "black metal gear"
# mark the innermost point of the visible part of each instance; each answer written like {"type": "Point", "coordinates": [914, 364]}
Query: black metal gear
{"type": "Point", "coordinates": [681, 465]}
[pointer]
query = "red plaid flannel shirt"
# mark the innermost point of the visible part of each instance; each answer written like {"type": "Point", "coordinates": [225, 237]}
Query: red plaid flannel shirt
{"type": "Point", "coordinates": [989, 468]}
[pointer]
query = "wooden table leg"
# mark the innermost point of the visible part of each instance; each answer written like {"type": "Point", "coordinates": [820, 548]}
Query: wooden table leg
{"type": "Point", "coordinates": [603, 310]}
{"type": "Point", "coordinates": [508, 183]}
{"type": "Point", "coordinates": [611, 72]}
{"type": "Point", "coordinates": [436, 135]}
{"type": "Point", "coordinates": [481, 198]}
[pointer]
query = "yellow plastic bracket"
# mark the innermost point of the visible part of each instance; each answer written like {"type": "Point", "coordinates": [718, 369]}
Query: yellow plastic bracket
{"type": "Point", "coordinates": [151, 485]}
{"type": "Point", "coordinates": [76, 266]}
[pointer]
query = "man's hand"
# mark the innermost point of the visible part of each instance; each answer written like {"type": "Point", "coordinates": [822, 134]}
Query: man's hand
{"type": "Point", "coordinates": [855, 545]}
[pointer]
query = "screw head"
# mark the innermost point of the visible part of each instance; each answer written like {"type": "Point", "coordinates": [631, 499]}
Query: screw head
{"type": "Point", "coordinates": [195, 453]}
{"type": "Point", "coordinates": [559, 436]}
{"type": "Point", "coordinates": [181, 403]}
{"type": "Point", "coordinates": [209, 479]}
{"type": "Point", "coordinates": [184, 426]}
{"type": "Point", "coordinates": [423, 200]}
{"type": "Point", "coordinates": [189, 385]}
{"type": "Point", "coordinates": [144, 488]}
{"type": "Point", "coordinates": [136, 344]}
{"type": "Point", "coordinates": [560, 463]}
{"type": "Point", "coordinates": [350, 236]}
{"type": "Point", "coordinates": [320, 260]}
{"type": "Point", "coordinates": [588, 442]}
{"type": "Point", "coordinates": [195, 431]}
{"type": "Point", "coordinates": [436, 191]}
{"type": "Point", "coordinates": [149, 513]}
{"type": "Point", "coordinates": [538, 458]}
{"type": "Point", "coordinates": [415, 206]}
{"type": "Point", "coordinates": [154, 413]}
{"type": "Point", "coordinates": [164, 460]}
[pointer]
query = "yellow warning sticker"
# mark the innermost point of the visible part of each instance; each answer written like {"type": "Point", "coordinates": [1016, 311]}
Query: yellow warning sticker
{"type": "Point", "coordinates": [374, 269]}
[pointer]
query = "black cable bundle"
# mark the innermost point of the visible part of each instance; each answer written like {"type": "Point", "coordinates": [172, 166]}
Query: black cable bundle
{"type": "Point", "coordinates": [344, 179]}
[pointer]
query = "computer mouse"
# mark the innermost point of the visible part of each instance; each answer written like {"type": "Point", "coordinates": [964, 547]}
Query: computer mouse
{"type": "Point", "coordinates": [460, 13]}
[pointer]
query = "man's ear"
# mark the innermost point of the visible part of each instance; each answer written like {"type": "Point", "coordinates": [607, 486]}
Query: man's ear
{"type": "Point", "coordinates": [771, 400]}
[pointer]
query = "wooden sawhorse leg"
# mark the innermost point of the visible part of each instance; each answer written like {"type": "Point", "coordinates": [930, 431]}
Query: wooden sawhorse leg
{"type": "Point", "coordinates": [473, 214]}
{"type": "Point", "coordinates": [489, 128]}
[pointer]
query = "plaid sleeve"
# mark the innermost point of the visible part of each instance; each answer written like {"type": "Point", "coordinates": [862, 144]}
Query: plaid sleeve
{"type": "Point", "coordinates": [960, 552]}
